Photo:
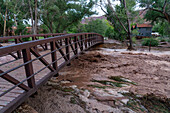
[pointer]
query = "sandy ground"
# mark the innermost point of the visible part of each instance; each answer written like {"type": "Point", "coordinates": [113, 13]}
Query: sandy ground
{"type": "Point", "coordinates": [86, 85]}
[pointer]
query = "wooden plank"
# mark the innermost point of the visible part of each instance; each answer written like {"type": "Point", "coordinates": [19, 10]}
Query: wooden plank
{"type": "Point", "coordinates": [3, 103]}
{"type": "Point", "coordinates": [75, 44]}
{"type": "Point", "coordinates": [28, 67]}
{"type": "Point", "coordinates": [61, 51]}
{"type": "Point", "coordinates": [46, 46]}
{"type": "Point", "coordinates": [11, 94]}
{"type": "Point", "coordinates": [81, 42]}
{"type": "Point", "coordinates": [9, 99]}
{"type": "Point", "coordinates": [72, 47]}
{"type": "Point", "coordinates": [19, 51]}
{"type": "Point", "coordinates": [67, 48]}
{"type": "Point", "coordinates": [14, 81]}
{"type": "Point", "coordinates": [54, 55]}
{"type": "Point", "coordinates": [35, 53]}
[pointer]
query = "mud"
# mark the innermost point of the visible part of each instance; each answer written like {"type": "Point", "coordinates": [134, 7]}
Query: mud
{"type": "Point", "coordinates": [110, 82]}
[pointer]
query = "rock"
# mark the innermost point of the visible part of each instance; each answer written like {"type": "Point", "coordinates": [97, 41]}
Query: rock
{"type": "Point", "coordinates": [65, 82]}
{"type": "Point", "coordinates": [118, 103]}
{"type": "Point", "coordinates": [94, 105]}
{"type": "Point", "coordinates": [125, 101]}
{"type": "Point", "coordinates": [52, 83]}
{"type": "Point", "coordinates": [74, 86]}
{"type": "Point", "coordinates": [86, 93]}
{"type": "Point", "coordinates": [127, 110]}
{"type": "Point", "coordinates": [25, 109]}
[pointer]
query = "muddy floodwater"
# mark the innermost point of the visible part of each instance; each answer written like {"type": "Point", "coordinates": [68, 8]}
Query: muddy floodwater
{"type": "Point", "coordinates": [105, 80]}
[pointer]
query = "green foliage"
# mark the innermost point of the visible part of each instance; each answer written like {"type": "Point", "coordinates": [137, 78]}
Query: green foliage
{"type": "Point", "coordinates": [119, 32]}
{"type": "Point", "coordinates": [26, 39]}
{"type": "Point", "coordinates": [162, 28]}
{"type": "Point", "coordinates": [79, 28]}
{"type": "Point", "coordinates": [150, 42]}
{"type": "Point", "coordinates": [97, 26]}
{"type": "Point", "coordinates": [134, 40]}
{"type": "Point", "coordinates": [53, 15]}
{"type": "Point", "coordinates": [156, 11]}
{"type": "Point", "coordinates": [58, 15]}
{"type": "Point", "coordinates": [110, 33]}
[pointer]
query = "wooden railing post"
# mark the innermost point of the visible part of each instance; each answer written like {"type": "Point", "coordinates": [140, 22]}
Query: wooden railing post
{"type": "Point", "coordinates": [54, 55]}
{"type": "Point", "coordinates": [85, 40]}
{"type": "Point", "coordinates": [28, 67]}
{"type": "Point", "coordinates": [61, 42]}
{"type": "Point", "coordinates": [89, 39]}
{"type": "Point", "coordinates": [34, 38]}
{"type": "Point", "coordinates": [81, 42]}
{"type": "Point", "coordinates": [67, 50]}
{"type": "Point", "coordinates": [18, 52]}
{"type": "Point", "coordinates": [92, 39]}
{"type": "Point", "coordinates": [75, 44]}
{"type": "Point", "coordinates": [46, 46]}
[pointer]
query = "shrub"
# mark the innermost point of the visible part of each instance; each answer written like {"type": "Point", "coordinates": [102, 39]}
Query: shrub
{"type": "Point", "coordinates": [150, 41]}
{"type": "Point", "coordinates": [26, 39]}
{"type": "Point", "coordinates": [134, 40]}
{"type": "Point", "coordinates": [161, 39]}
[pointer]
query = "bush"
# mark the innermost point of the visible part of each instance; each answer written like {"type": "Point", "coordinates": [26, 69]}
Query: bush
{"type": "Point", "coordinates": [133, 40]}
{"type": "Point", "coordinates": [150, 41]}
{"type": "Point", "coordinates": [26, 39]}
{"type": "Point", "coordinates": [109, 33]}
{"type": "Point", "coordinates": [161, 39]}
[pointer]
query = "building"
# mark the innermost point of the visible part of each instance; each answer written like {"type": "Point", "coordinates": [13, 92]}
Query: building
{"type": "Point", "coordinates": [145, 30]}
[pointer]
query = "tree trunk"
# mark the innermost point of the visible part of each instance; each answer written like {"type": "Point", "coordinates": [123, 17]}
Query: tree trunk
{"type": "Point", "coordinates": [129, 27]}
{"type": "Point", "coordinates": [31, 13]}
{"type": "Point", "coordinates": [36, 20]}
{"type": "Point", "coordinates": [4, 33]}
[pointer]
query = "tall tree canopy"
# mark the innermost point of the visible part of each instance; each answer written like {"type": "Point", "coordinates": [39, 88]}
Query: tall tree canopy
{"type": "Point", "coordinates": [156, 9]}
{"type": "Point", "coordinates": [121, 16]}
{"type": "Point", "coordinates": [58, 15]}
{"type": "Point", "coordinates": [52, 15]}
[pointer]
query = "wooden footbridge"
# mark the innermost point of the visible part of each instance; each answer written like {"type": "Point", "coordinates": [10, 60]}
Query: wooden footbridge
{"type": "Point", "coordinates": [25, 66]}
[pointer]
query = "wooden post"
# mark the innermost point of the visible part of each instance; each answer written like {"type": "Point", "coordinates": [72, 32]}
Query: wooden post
{"type": "Point", "coordinates": [28, 67]}
{"type": "Point", "coordinates": [18, 52]}
{"type": "Point", "coordinates": [75, 44]}
{"type": "Point", "coordinates": [85, 37]}
{"type": "Point", "coordinates": [81, 42]}
{"type": "Point", "coordinates": [67, 50]}
{"type": "Point", "coordinates": [61, 42]}
{"type": "Point", "coordinates": [46, 46]}
{"type": "Point", "coordinates": [34, 38]}
{"type": "Point", "coordinates": [54, 55]}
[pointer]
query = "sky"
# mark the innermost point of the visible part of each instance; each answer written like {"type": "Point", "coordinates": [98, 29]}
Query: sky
{"type": "Point", "coordinates": [100, 12]}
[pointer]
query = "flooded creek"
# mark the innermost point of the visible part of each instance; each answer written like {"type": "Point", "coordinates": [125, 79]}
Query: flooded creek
{"type": "Point", "coordinates": [109, 80]}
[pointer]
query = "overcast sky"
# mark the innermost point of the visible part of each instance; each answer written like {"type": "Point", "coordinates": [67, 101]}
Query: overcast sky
{"type": "Point", "coordinates": [100, 12]}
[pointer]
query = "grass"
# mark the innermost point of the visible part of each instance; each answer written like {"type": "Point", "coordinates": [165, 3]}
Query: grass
{"type": "Point", "coordinates": [121, 79]}
{"type": "Point", "coordinates": [105, 82]}
{"type": "Point", "coordinates": [148, 103]}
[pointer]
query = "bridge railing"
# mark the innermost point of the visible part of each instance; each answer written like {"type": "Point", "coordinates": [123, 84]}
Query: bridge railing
{"type": "Point", "coordinates": [24, 38]}
{"type": "Point", "coordinates": [36, 66]}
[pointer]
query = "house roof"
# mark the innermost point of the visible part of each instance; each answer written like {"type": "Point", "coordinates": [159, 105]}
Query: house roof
{"type": "Point", "coordinates": [144, 25]}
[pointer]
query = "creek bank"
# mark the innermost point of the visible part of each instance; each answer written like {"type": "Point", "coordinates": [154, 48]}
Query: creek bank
{"type": "Point", "coordinates": [104, 81]}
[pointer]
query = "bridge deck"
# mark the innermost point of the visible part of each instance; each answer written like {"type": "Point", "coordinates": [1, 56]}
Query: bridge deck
{"type": "Point", "coordinates": [15, 86]}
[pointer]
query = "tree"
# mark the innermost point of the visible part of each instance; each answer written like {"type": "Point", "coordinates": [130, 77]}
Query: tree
{"type": "Point", "coordinates": [121, 16]}
{"type": "Point", "coordinates": [58, 15]}
{"type": "Point", "coordinates": [156, 9]}
{"type": "Point", "coordinates": [97, 26]}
